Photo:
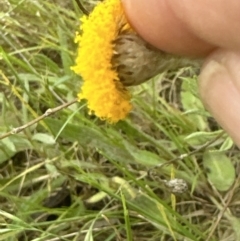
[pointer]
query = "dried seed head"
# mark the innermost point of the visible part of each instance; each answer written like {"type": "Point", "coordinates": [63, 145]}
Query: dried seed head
{"type": "Point", "coordinates": [136, 61]}
{"type": "Point", "coordinates": [176, 185]}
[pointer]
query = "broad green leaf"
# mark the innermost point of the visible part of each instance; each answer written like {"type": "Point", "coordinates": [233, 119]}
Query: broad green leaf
{"type": "Point", "coordinates": [99, 196]}
{"type": "Point", "coordinates": [201, 137]}
{"type": "Point", "coordinates": [144, 157]}
{"type": "Point", "coordinates": [147, 158]}
{"type": "Point", "coordinates": [87, 136]}
{"type": "Point", "coordinates": [12, 145]}
{"type": "Point", "coordinates": [227, 144]}
{"type": "Point", "coordinates": [44, 138]}
{"type": "Point", "coordinates": [221, 172]}
{"type": "Point", "coordinates": [9, 144]}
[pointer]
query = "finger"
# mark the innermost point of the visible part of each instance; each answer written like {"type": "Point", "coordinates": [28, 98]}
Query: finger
{"type": "Point", "coordinates": [157, 24]}
{"type": "Point", "coordinates": [215, 21]}
{"type": "Point", "coordinates": [219, 84]}
{"type": "Point", "coordinates": [186, 27]}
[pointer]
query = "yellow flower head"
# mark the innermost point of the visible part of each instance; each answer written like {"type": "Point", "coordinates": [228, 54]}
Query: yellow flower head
{"type": "Point", "coordinates": [106, 96]}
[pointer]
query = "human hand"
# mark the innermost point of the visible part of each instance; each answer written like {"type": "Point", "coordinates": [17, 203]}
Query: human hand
{"type": "Point", "coordinates": [209, 29]}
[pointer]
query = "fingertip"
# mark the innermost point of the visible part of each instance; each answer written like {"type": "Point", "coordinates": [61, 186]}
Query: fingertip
{"type": "Point", "coordinates": [219, 91]}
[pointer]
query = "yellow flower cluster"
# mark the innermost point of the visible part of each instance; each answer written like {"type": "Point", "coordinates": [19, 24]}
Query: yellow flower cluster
{"type": "Point", "coordinates": [106, 96]}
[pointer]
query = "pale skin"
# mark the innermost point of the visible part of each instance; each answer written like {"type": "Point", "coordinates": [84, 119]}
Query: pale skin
{"type": "Point", "coordinates": [206, 28]}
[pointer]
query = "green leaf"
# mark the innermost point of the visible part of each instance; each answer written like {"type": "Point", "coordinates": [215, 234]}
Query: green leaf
{"type": "Point", "coordinates": [88, 136]}
{"type": "Point", "coordinates": [221, 172]}
{"type": "Point", "coordinates": [99, 196]}
{"type": "Point", "coordinates": [192, 104]}
{"type": "Point", "coordinates": [201, 137]}
{"type": "Point", "coordinates": [144, 157]}
{"type": "Point", "coordinates": [12, 145]}
{"type": "Point", "coordinates": [44, 138]}
{"type": "Point", "coordinates": [147, 158]}
{"type": "Point", "coordinates": [9, 144]}
{"type": "Point", "coordinates": [227, 144]}
{"type": "Point", "coordinates": [89, 234]}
